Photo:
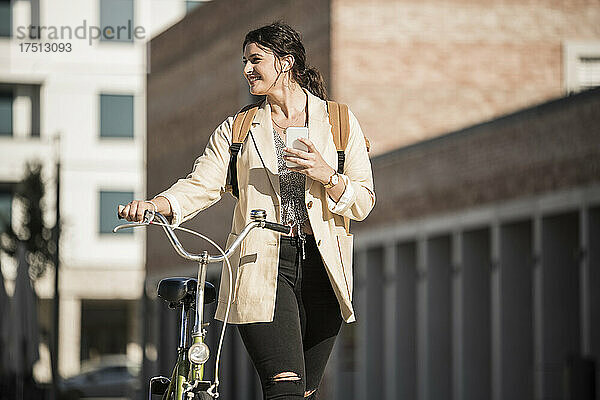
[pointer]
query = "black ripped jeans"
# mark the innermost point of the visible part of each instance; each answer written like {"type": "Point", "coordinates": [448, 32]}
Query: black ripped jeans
{"type": "Point", "coordinates": [307, 320]}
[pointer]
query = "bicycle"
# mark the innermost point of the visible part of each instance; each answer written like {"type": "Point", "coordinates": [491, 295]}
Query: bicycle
{"type": "Point", "coordinates": [187, 379]}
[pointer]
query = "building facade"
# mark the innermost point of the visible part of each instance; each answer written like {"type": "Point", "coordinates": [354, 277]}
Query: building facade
{"type": "Point", "coordinates": [413, 70]}
{"type": "Point", "coordinates": [487, 283]}
{"type": "Point", "coordinates": [73, 96]}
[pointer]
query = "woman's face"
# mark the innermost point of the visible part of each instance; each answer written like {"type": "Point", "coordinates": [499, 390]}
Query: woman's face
{"type": "Point", "coordinates": [262, 69]}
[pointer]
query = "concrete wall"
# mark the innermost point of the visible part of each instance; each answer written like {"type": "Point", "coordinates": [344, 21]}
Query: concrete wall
{"type": "Point", "coordinates": [545, 148]}
{"type": "Point", "coordinates": [490, 267]}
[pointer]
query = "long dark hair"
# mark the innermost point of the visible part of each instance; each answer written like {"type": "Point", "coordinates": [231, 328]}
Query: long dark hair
{"type": "Point", "coordinates": [282, 40]}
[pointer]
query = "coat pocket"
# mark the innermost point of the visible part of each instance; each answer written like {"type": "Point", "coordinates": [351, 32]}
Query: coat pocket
{"type": "Point", "coordinates": [345, 248]}
{"type": "Point", "coordinates": [257, 271]}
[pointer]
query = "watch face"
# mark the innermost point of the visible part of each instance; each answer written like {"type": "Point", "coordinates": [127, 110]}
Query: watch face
{"type": "Point", "coordinates": [335, 179]}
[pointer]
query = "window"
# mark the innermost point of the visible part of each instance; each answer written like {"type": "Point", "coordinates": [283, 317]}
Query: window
{"type": "Point", "coordinates": [34, 17]}
{"type": "Point", "coordinates": [190, 5]}
{"type": "Point", "coordinates": [116, 20]}
{"type": "Point", "coordinates": [582, 65]}
{"type": "Point", "coordinates": [5, 18]}
{"type": "Point", "coordinates": [19, 110]}
{"type": "Point", "coordinates": [109, 201]}
{"type": "Point", "coordinates": [116, 115]}
{"type": "Point", "coordinates": [6, 197]}
{"type": "Point", "coordinates": [6, 111]}
{"type": "Point", "coordinates": [105, 326]}
{"type": "Point", "coordinates": [589, 72]}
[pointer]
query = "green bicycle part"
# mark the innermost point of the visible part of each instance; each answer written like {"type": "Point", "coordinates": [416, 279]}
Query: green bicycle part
{"type": "Point", "coordinates": [179, 393]}
{"type": "Point", "coordinates": [178, 377]}
{"type": "Point", "coordinates": [182, 373]}
{"type": "Point", "coordinates": [197, 370]}
{"type": "Point", "coordinates": [169, 391]}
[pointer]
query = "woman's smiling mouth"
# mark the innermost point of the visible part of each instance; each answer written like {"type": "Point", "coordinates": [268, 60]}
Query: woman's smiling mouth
{"type": "Point", "coordinates": [253, 78]}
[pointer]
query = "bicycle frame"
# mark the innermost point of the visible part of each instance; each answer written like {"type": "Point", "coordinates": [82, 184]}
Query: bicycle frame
{"type": "Point", "coordinates": [185, 371]}
{"type": "Point", "coordinates": [188, 373]}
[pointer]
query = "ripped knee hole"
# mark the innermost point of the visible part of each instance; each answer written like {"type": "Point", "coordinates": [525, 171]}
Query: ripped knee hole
{"type": "Point", "coordinates": [286, 376]}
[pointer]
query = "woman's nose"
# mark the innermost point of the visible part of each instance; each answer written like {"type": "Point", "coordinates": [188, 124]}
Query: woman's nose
{"type": "Point", "coordinates": [247, 68]}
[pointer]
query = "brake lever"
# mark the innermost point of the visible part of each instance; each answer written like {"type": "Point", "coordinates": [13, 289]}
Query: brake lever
{"type": "Point", "coordinates": [148, 218]}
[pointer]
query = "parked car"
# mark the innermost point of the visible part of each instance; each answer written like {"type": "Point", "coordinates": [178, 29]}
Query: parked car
{"type": "Point", "coordinates": [107, 377]}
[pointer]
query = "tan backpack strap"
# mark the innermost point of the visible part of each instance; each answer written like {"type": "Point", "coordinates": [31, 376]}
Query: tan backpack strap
{"type": "Point", "coordinates": [340, 124]}
{"type": "Point", "coordinates": [340, 129]}
{"type": "Point", "coordinates": [242, 122]}
{"type": "Point", "coordinates": [240, 129]}
{"type": "Point", "coordinates": [334, 120]}
{"type": "Point", "coordinates": [344, 126]}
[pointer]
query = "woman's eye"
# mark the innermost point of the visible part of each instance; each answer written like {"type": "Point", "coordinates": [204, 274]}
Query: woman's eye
{"type": "Point", "coordinates": [252, 61]}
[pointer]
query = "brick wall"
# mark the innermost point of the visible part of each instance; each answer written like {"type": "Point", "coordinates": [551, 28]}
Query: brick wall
{"type": "Point", "coordinates": [546, 148]}
{"type": "Point", "coordinates": [412, 70]}
{"type": "Point", "coordinates": [195, 82]}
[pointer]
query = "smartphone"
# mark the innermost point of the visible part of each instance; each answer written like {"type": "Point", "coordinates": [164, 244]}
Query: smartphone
{"type": "Point", "coordinates": [292, 134]}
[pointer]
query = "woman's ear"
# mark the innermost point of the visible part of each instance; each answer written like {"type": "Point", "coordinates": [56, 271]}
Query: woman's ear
{"type": "Point", "coordinates": [287, 62]}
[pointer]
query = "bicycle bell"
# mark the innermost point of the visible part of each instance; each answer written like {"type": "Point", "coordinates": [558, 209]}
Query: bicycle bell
{"type": "Point", "coordinates": [258, 215]}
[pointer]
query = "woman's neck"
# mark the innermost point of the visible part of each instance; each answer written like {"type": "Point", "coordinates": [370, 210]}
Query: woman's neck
{"type": "Point", "coordinates": [288, 101]}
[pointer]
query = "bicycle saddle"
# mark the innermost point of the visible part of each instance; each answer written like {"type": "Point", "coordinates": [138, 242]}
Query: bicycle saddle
{"type": "Point", "coordinates": [183, 290]}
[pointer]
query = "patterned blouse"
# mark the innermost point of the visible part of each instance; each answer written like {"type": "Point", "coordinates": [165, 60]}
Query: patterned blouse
{"type": "Point", "coordinates": [293, 206]}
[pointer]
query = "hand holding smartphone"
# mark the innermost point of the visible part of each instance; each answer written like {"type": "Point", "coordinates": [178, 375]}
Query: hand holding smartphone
{"type": "Point", "coordinates": [292, 134]}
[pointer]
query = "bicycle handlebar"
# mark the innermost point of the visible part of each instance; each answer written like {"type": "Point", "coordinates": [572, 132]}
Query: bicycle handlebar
{"type": "Point", "coordinates": [274, 226]}
{"type": "Point", "coordinates": [149, 217]}
{"type": "Point", "coordinates": [258, 219]}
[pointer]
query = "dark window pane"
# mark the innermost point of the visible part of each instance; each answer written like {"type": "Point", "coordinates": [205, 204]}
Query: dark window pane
{"type": "Point", "coordinates": [116, 115]}
{"type": "Point", "coordinates": [5, 18]}
{"type": "Point", "coordinates": [109, 202]}
{"type": "Point", "coordinates": [6, 101]}
{"type": "Point", "coordinates": [104, 330]}
{"type": "Point", "coordinates": [115, 14]}
{"type": "Point", "coordinates": [5, 209]}
{"type": "Point", "coordinates": [190, 5]}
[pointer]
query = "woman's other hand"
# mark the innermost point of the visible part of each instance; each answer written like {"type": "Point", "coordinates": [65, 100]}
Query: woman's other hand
{"type": "Point", "coordinates": [310, 162]}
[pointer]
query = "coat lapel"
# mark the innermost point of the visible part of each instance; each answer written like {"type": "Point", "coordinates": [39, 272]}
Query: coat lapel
{"type": "Point", "coordinates": [262, 132]}
{"type": "Point", "coordinates": [319, 131]}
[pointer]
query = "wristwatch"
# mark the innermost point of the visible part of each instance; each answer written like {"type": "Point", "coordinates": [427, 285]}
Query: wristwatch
{"type": "Point", "coordinates": [333, 180]}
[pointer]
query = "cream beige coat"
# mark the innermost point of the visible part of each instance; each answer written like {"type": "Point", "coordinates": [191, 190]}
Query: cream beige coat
{"type": "Point", "coordinates": [255, 263]}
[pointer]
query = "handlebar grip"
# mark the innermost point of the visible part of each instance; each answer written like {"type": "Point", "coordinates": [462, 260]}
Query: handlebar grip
{"type": "Point", "coordinates": [121, 207]}
{"type": "Point", "coordinates": [278, 227]}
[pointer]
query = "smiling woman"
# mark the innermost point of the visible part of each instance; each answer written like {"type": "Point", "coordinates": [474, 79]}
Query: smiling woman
{"type": "Point", "coordinates": [291, 296]}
